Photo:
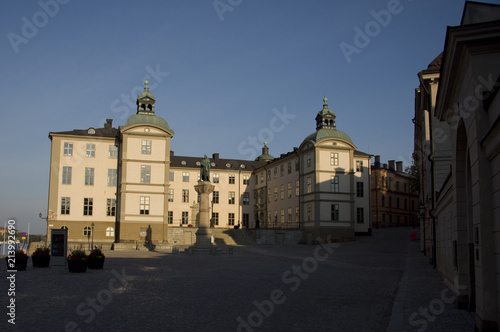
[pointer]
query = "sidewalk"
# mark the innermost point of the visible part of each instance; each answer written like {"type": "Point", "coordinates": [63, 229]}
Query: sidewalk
{"type": "Point", "coordinates": [423, 301]}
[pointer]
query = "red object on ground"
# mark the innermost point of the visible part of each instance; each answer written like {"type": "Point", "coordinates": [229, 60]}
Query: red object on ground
{"type": "Point", "coordinates": [413, 236]}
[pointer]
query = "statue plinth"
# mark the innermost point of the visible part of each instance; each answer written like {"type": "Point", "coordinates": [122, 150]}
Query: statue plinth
{"type": "Point", "coordinates": [203, 234]}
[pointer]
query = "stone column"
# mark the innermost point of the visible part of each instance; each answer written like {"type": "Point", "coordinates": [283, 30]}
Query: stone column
{"type": "Point", "coordinates": [203, 235]}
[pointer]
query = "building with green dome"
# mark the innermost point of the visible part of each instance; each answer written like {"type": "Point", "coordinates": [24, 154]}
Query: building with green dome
{"type": "Point", "coordinates": [125, 187]}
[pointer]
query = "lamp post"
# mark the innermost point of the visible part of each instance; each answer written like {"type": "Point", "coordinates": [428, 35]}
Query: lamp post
{"type": "Point", "coordinates": [40, 215]}
{"type": "Point", "coordinates": [92, 236]}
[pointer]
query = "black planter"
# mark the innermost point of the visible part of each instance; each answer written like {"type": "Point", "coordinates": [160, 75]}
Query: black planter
{"type": "Point", "coordinates": [77, 266]}
{"type": "Point", "coordinates": [20, 263]}
{"type": "Point", "coordinates": [40, 260]}
{"type": "Point", "coordinates": [95, 262]}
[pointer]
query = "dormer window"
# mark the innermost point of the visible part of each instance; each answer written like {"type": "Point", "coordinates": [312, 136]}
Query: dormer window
{"type": "Point", "coordinates": [91, 131]}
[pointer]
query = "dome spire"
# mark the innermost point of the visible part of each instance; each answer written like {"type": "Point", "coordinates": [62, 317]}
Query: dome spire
{"type": "Point", "coordinates": [326, 117]}
{"type": "Point", "coordinates": [146, 100]}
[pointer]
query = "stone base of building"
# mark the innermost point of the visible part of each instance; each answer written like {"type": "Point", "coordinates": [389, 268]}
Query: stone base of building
{"type": "Point", "coordinates": [326, 235]}
{"type": "Point", "coordinates": [485, 325]}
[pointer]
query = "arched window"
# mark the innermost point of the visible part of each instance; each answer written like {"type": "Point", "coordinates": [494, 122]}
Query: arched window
{"type": "Point", "coordinates": [150, 107]}
{"type": "Point", "coordinates": [143, 107]}
{"type": "Point", "coordinates": [110, 231]}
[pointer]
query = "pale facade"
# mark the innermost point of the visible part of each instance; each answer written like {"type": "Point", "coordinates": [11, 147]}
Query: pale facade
{"type": "Point", "coordinates": [83, 181]}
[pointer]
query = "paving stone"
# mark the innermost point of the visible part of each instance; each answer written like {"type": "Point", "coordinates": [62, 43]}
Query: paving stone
{"type": "Point", "coordinates": [372, 284]}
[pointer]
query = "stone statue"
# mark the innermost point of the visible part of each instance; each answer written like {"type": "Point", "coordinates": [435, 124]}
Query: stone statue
{"type": "Point", "coordinates": [205, 169]}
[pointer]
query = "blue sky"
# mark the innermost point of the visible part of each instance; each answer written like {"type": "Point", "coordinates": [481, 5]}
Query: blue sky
{"type": "Point", "coordinates": [222, 72]}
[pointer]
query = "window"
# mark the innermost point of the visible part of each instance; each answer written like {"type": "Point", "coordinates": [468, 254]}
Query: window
{"type": "Point", "coordinates": [171, 176]}
{"type": "Point", "coordinates": [397, 202]}
{"type": "Point", "coordinates": [289, 215]}
{"type": "Point", "coordinates": [275, 193]}
{"type": "Point", "coordinates": [185, 217]}
{"type": "Point", "coordinates": [89, 176]}
{"type": "Point", "coordinates": [276, 172]}
{"type": "Point", "coordinates": [289, 167]}
{"type": "Point", "coordinates": [282, 216]}
{"type": "Point", "coordinates": [275, 217]}
{"type": "Point", "coordinates": [145, 174]}
{"type": "Point", "coordinates": [334, 184]}
{"type": "Point", "coordinates": [404, 187]}
{"type": "Point", "coordinates": [261, 177]}
{"type": "Point", "coordinates": [113, 153]}
{"type": "Point", "coordinates": [170, 216]}
{"type": "Point", "coordinates": [110, 207]}
{"type": "Point", "coordinates": [185, 195]}
{"type": "Point", "coordinates": [397, 185]}
{"type": "Point", "coordinates": [289, 190]}
{"type": "Point", "coordinates": [269, 218]}
{"type": "Point", "coordinates": [390, 201]}
{"type": "Point", "coordinates": [110, 231]}
{"type": "Point", "coordinates": [215, 218]}
{"type": "Point", "coordinates": [246, 198]}
{"type": "Point", "coordinates": [146, 147]}
{"type": "Point", "coordinates": [246, 220]}
{"type": "Point", "coordinates": [256, 179]}
{"type": "Point", "coordinates": [87, 231]}
{"type": "Point", "coordinates": [383, 200]}
{"type": "Point", "coordinates": [282, 170]}
{"type": "Point", "coordinates": [87, 206]}
{"type": "Point", "coordinates": [268, 175]}
{"type": "Point", "coordinates": [297, 214]}
{"type": "Point", "coordinates": [359, 189]}
{"type": "Point", "coordinates": [308, 160]}
{"type": "Point", "coordinates": [215, 178]}
{"type": "Point", "coordinates": [68, 149]}
{"type": "Point", "coordinates": [360, 215]}
{"type": "Point", "coordinates": [297, 188]}
{"type": "Point", "coordinates": [230, 219]}
{"type": "Point", "coordinates": [282, 191]}
{"type": "Point", "coordinates": [185, 176]}
{"type": "Point", "coordinates": [65, 205]}
{"type": "Point", "coordinates": [309, 212]}
{"type": "Point", "coordinates": [334, 159]}
{"type": "Point", "coordinates": [309, 185]}
{"type": "Point", "coordinates": [335, 212]}
{"type": "Point", "coordinates": [231, 179]}
{"type": "Point", "coordinates": [215, 197]}
{"type": "Point", "coordinates": [144, 205]}
{"type": "Point", "coordinates": [171, 195]}
{"type": "Point", "coordinates": [66, 175]}
{"type": "Point", "coordinates": [112, 175]}
{"type": "Point", "coordinates": [246, 179]}
{"type": "Point", "coordinates": [297, 167]}
{"type": "Point", "coordinates": [406, 204]}
{"type": "Point", "coordinates": [90, 151]}
{"type": "Point", "coordinates": [231, 197]}
{"type": "Point", "coordinates": [359, 166]}
{"type": "Point", "coordinates": [269, 195]}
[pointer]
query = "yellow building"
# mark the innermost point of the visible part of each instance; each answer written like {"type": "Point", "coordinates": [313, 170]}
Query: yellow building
{"type": "Point", "coordinates": [110, 186]}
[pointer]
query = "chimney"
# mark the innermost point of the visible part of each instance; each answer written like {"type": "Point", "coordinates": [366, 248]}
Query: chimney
{"type": "Point", "coordinates": [215, 156]}
{"type": "Point", "coordinates": [399, 166]}
{"type": "Point", "coordinates": [385, 166]}
{"type": "Point", "coordinates": [171, 153]}
{"type": "Point", "coordinates": [391, 165]}
{"type": "Point", "coordinates": [377, 161]}
{"type": "Point", "coordinates": [108, 124]}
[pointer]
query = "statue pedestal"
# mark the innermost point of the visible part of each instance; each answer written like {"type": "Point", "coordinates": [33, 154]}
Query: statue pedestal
{"type": "Point", "coordinates": [203, 242]}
